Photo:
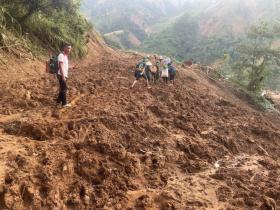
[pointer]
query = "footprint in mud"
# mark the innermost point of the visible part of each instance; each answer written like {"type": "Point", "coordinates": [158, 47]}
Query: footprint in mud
{"type": "Point", "coordinates": [144, 201]}
{"type": "Point", "coordinates": [223, 194]}
{"type": "Point", "coordinates": [27, 194]}
{"type": "Point", "coordinates": [157, 111]}
{"type": "Point", "coordinates": [223, 102]}
{"type": "Point", "coordinates": [26, 129]}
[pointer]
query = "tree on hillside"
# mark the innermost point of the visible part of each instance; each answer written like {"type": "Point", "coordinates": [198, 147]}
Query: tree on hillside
{"type": "Point", "coordinates": [257, 56]}
{"type": "Point", "coordinates": [51, 22]}
{"type": "Point", "coordinates": [24, 9]}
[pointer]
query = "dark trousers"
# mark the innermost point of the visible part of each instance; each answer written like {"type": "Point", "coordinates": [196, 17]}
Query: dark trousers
{"type": "Point", "coordinates": [62, 91]}
{"type": "Point", "coordinates": [165, 80]}
{"type": "Point", "coordinates": [148, 74]}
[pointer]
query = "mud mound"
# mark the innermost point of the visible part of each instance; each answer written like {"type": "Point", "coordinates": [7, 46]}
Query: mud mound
{"type": "Point", "coordinates": [188, 146]}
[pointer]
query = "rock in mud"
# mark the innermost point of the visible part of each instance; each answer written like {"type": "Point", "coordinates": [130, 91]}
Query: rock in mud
{"type": "Point", "coordinates": [269, 204]}
{"type": "Point", "coordinates": [144, 202]}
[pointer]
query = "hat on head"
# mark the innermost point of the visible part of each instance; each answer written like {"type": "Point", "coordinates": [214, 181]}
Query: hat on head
{"type": "Point", "coordinates": [149, 63]}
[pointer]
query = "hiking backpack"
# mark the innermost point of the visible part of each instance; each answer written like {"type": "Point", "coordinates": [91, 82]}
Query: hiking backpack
{"type": "Point", "coordinates": [172, 70]}
{"type": "Point", "coordinates": [139, 65]}
{"type": "Point", "coordinates": [52, 65]}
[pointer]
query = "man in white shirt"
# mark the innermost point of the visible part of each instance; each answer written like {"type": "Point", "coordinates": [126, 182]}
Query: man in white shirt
{"type": "Point", "coordinates": [62, 75]}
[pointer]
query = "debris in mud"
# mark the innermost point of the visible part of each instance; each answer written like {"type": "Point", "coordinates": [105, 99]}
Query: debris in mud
{"type": "Point", "coordinates": [144, 202]}
{"type": "Point", "coordinates": [269, 204]}
{"type": "Point", "coordinates": [25, 129]}
{"type": "Point", "coordinates": [190, 146]}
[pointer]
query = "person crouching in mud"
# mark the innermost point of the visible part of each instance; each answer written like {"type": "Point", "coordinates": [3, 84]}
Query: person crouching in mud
{"type": "Point", "coordinates": [141, 72]}
{"type": "Point", "coordinates": [62, 75]}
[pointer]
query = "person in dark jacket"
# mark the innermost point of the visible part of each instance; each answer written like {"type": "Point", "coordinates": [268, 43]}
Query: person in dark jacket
{"type": "Point", "coordinates": [141, 72]}
{"type": "Point", "coordinates": [172, 73]}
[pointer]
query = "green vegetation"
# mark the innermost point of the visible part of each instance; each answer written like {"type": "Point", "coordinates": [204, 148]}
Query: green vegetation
{"type": "Point", "coordinates": [201, 30]}
{"type": "Point", "coordinates": [45, 22]}
{"type": "Point", "coordinates": [209, 29]}
{"type": "Point", "coordinates": [110, 16]}
{"type": "Point", "coordinates": [184, 41]}
{"type": "Point", "coordinates": [257, 59]}
{"type": "Point", "coordinates": [134, 17]}
{"type": "Point", "coordinates": [176, 41]}
{"type": "Point", "coordinates": [257, 62]}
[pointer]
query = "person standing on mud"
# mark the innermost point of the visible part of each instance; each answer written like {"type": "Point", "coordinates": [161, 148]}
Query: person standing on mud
{"type": "Point", "coordinates": [172, 73]}
{"type": "Point", "coordinates": [62, 75]}
{"type": "Point", "coordinates": [148, 70]}
{"type": "Point", "coordinates": [158, 69]}
{"type": "Point", "coordinates": [164, 74]}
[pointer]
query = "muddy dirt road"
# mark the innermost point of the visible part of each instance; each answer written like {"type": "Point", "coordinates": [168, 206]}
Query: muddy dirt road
{"type": "Point", "coordinates": [188, 146]}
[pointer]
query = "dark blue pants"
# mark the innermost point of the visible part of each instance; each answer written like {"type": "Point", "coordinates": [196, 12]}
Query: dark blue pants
{"type": "Point", "coordinates": [61, 99]}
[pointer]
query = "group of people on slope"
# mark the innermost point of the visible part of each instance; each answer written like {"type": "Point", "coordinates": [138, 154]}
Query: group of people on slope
{"type": "Point", "coordinates": [163, 68]}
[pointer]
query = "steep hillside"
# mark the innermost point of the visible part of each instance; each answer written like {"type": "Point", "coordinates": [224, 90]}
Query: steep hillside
{"type": "Point", "coordinates": [235, 16]}
{"type": "Point", "coordinates": [134, 18]}
{"type": "Point", "coordinates": [184, 40]}
{"type": "Point", "coordinates": [188, 146]}
{"type": "Point", "coordinates": [203, 30]}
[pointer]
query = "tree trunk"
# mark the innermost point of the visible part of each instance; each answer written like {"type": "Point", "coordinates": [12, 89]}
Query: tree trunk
{"type": "Point", "coordinates": [256, 78]}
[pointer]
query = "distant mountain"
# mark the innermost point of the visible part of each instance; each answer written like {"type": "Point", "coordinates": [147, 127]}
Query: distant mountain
{"type": "Point", "coordinates": [198, 29]}
{"type": "Point", "coordinates": [209, 29]}
{"type": "Point", "coordinates": [234, 16]}
{"type": "Point", "coordinates": [133, 17]}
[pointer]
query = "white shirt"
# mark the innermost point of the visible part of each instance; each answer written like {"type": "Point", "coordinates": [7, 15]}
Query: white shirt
{"type": "Point", "coordinates": [65, 68]}
{"type": "Point", "coordinates": [164, 72]}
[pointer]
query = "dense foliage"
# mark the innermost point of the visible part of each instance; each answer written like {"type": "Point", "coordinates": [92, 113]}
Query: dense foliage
{"type": "Point", "coordinates": [258, 59]}
{"type": "Point", "coordinates": [48, 22]}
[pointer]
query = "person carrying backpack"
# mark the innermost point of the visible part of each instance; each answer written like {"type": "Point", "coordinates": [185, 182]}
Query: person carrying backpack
{"type": "Point", "coordinates": [172, 72]}
{"type": "Point", "coordinates": [62, 75]}
{"type": "Point", "coordinates": [141, 72]}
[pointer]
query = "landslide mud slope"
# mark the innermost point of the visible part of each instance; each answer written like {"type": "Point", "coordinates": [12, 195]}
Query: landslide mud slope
{"type": "Point", "coordinates": [191, 146]}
